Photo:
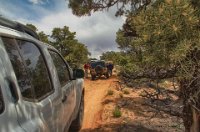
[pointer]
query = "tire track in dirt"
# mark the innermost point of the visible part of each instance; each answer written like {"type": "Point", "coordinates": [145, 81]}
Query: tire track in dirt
{"type": "Point", "coordinates": [95, 91]}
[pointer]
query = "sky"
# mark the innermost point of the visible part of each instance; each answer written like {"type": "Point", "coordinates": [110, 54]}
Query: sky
{"type": "Point", "coordinates": [97, 32]}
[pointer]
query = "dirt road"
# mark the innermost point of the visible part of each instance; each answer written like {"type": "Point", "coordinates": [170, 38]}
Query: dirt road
{"type": "Point", "coordinates": [95, 91]}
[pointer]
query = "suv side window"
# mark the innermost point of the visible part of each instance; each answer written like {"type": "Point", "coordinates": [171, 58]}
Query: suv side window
{"type": "Point", "coordinates": [36, 67]}
{"type": "Point", "coordinates": [1, 102]}
{"type": "Point", "coordinates": [19, 68]}
{"type": "Point", "coordinates": [61, 67]}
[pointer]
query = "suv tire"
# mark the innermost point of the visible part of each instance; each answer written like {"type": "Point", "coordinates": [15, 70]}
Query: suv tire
{"type": "Point", "coordinates": [77, 123]}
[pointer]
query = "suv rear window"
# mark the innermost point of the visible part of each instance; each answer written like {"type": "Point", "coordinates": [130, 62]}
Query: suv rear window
{"type": "Point", "coordinates": [61, 67]}
{"type": "Point", "coordinates": [98, 63]}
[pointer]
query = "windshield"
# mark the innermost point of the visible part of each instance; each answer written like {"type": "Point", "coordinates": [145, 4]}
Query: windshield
{"type": "Point", "coordinates": [94, 64]}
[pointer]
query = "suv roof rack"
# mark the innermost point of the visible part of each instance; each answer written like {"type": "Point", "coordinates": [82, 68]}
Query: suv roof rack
{"type": "Point", "coordinates": [17, 26]}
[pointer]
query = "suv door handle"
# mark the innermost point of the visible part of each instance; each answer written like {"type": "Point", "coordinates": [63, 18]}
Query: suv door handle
{"type": "Point", "coordinates": [64, 98]}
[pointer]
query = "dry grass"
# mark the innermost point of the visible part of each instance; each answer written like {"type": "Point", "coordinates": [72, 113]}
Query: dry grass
{"type": "Point", "coordinates": [136, 117]}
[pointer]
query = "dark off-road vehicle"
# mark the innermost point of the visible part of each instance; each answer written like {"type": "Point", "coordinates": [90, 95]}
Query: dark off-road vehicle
{"type": "Point", "coordinates": [98, 68]}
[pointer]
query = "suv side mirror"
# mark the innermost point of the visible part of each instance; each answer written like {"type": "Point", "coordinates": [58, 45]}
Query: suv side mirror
{"type": "Point", "coordinates": [78, 73]}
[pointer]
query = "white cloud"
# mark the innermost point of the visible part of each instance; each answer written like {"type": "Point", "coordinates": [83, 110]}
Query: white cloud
{"type": "Point", "coordinates": [38, 1]}
{"type": "Point", "coordinates": [98, 31]}
{"type": "Point", "coordinates": [34, 1]}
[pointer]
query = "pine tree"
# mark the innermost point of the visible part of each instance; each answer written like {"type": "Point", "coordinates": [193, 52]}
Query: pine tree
{"type": "Point", "coordinates": [168, 36]}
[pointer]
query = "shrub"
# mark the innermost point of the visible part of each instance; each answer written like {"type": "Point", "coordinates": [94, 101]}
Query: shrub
{"type": "Point", "coordinates": [110, 92]}
{"type": "Point", "coordinates": [117, 113]}
{"type": "Point", "coordinates": [126, 91]}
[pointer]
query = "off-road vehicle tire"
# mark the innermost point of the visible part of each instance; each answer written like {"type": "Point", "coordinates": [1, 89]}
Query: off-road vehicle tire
{"type": "Point", "coordinates": [77, 123]}
{"type": "Point", "coordinates": [93, 77]}
{"type": "Point", "coordinates": [107, 75]}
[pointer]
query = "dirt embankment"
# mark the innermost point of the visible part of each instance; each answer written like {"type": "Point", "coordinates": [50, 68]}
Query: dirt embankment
{"type": "Point", "coordinates": [102, 97]}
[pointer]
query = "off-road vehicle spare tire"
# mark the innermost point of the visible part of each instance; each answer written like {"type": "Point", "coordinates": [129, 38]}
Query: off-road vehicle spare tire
{"type": "Point", "coordinates": [99, 69]}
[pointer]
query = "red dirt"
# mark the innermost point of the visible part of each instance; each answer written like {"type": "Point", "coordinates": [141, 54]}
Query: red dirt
{"type": "Point", "coordinates": [95, 92]}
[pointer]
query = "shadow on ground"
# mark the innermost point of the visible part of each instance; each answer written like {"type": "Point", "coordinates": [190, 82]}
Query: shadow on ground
{"type": "Point", "coordinates": [102, 78]}
{"type": "Point", "coordinates": [119, 128]}
{"type": "Point", "coordinates": [134, 104]}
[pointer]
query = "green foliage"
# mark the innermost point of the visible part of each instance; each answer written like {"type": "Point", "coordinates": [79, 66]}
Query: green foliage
{"type": "Point", "coordinates": [74, 52]}
{"type": "Point", "coordinates": [31, 26]}
{"type": "Point", "coordinates": [110, 92]}
{"type": "Point", "coordinates": [63, 39]}
{"type": "Point", "coordinates": [115, 57]}
{"type": "Point", "coordinates": [124, 42]}
{"type": "Point", "coordinates": [167, 32]}
{"type": "Point", "coordinates": [80, 7]}
{"type": "Point", "coordinates": [78, 55]}
{"type": "Point", "coordinates": [43, 37]}
{"type": "Point", "coordinates": [86, 7]}
{"type": "Point", "coordinates": [117, 112]}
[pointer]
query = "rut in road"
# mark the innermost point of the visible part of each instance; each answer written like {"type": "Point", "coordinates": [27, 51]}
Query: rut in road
{"type": "Point", "coordinates": [95, 91]}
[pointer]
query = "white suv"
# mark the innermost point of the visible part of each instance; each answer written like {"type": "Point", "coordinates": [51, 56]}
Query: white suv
{"type": "Point", "coordinates": [38, 89]}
